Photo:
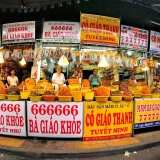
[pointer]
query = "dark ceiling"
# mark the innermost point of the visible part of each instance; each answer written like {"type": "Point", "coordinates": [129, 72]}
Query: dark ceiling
{"type": "Point", "coordinates": [137, 13]}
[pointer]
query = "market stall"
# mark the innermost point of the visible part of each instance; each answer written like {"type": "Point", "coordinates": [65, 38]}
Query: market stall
{"type": "Point", "coordinates": [106, 90]}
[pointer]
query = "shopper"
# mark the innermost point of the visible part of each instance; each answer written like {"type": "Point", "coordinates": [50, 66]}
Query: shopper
{"type": "Point", "coordinates": [12, 79]}
{"type": "Point", "coordinates": [94, 79]}
{"type": "Point", "coordinates": [58, 78]}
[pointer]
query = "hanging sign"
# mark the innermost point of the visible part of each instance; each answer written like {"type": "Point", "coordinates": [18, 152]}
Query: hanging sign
{"type": "Point", "coordinates": [154, 41]}
{"type": "Point", "coordinates": [34, 72]}
{"type": "Point", "coordinates": [107, 120]}
{"type": "Point", "coordinates": [97, 29]}
{"type": "Point", "coordinates": [19, 32]}
{"type": "Point", "coordinates": [147, 113]}
{"type": "Point", "coordinates": [134, 37]}
{"type": "Point", "coordinates": [12, 118]}
{"type": "Point", "coordinates": [55, 119]}
{"type": "Point", "coordinates": [61, 32]}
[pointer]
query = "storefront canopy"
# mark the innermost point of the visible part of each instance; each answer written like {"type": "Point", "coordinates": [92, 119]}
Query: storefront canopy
{"type": "Point", "coordinates": [137, 13]}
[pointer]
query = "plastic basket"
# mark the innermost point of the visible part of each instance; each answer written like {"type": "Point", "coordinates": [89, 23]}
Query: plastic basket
{"type": "Point", "coordinates": [2, 96]}
{"type": "Point", "coordinates": [89, 96]}
{"type": "Point", "coordinates": [35, 98]}
{"type": "Point", "coordinates": [25, 94]}
{"type": "Point", "coordinates": [64, 98]}
{"type": "Point", "coordinates": [154, 95]}
{"type": "Point", "coordinates": [116, 98]}
{"type": "Point", "coordinates": [13, 97]}
{"type": "Point", "coordinates": [101, 98]}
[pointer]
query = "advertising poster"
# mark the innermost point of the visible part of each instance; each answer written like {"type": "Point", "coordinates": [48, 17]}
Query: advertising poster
{"type": "Point", "coordinates": [18, 32]}
{"type": "Point", "coordinates": [12, 118]}
{"type": "Point", "coordinates": [55, 119]}
{"type": "Point", "coordinates": [147, 113]}
{"type": "Point", "coordinates": [107, 120]}
{"type": "Point", "coordinates": [96, 29]}
{"type": "Point", "coordinates": [132, 37]}
{"type": "Point", "coordinates": [154, 41]}
{"type": "Point", "coordinates": [61, 32]}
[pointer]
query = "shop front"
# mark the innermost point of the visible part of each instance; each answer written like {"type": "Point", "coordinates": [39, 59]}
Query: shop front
{"type": "Point", "coordinates": [83, 83]}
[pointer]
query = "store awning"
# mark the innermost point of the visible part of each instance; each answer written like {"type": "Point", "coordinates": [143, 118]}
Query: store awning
{"type": "Point", "coordinates": [137, 13]}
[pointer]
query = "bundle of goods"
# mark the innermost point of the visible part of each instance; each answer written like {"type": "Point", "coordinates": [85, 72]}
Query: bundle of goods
{"type": "Point", "coordinates": [101, 94]}
{"type": "Point", "coordinates": [127, 95]}
{"type": "Point", "coordinates": [155, 93]}
{"type": "Point", "coordinates": [64, 95]}
{"type": "Point", "coordinates": [123, 86]}
{"type": "Point", "coordinates": [64, 91]}
{"type": "Point", "coordinates": [155, 90]}
{"type": "Point", "coordinates": [2, 88]}
{"type": "Point", "coordinates": [73, 81]}
{"type": "Point", "coordinates": [29, 81]}
{"type": "Point", "coordinates": [13, 93]}
{"type": "Point", "coordinates": [146, 92]}
{"type": "Point", "coordinates": [132, 83]}
{"type": "Point", "coordinates": [102, 91]}
{"type": "Point", "coordinates": [116, 93]}
{"type": "Point", "coordinates": [106, 83]}
{"type": "Point", "coordinates": [35, 96]}
{"type": "Point", "coordinates": [85, 83]}
{"type": "Point", "coordinates": [13, 90]}
{"type": "Point", "coordinates": [49, 96]}
{"type": "Point", "coordinates": [116, 96]}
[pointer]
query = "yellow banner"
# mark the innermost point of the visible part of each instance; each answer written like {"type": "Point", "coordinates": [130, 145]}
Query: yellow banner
{"type": "Point", "coordinates": [107, 120]}
{"type": "Point", "coordinates": [147, 113]}
{"type": "Point", "coordinates": [99, 29]}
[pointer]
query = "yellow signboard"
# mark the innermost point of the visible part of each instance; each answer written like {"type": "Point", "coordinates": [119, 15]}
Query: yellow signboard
{"type": "Point", "coordinates": [99, 29]}
{"type": "Point", "coordinates": [107, 120]}
{"type": "Point", "coordinates": [147, 113]}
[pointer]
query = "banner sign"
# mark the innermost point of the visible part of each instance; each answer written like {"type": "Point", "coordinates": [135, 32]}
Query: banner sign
{"type": "Point", "coordinates": [61, 32]}
{"type": "Point", "coordinates": [108, 120]}
{"type": "Point", "coordinates": [12, 118]}
{"type": "Point", "coordinates": [55, 119]}
{"type": "Point", "coordinates": [134, 37]}
{"type": "Point", "coordinates": [154, 41]}
{"type": "Point", "coordinates": [19, 32]}
{"type": "Point", "coordinates": [147, 113]}
{"type": "Point", "coordinates": [97, 29]}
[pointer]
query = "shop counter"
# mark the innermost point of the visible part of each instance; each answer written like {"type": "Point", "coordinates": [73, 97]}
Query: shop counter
{"type": "Point", "coordinates": [147, 113]}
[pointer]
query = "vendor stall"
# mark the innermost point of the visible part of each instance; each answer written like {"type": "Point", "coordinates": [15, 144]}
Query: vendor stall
{"type": "Point", "coordinates": [91, 87]}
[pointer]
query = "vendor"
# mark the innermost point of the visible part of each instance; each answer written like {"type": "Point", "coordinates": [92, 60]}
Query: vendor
{"type": "Point", "coordinates": [12, 79]}
{"type": "Point", "coordinates": [94, 79]}
{"type": "Point", "coordinates": [58, 78]}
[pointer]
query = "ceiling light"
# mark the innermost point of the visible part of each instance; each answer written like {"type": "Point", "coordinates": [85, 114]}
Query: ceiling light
{"type": "Point", "coordinates": [63, 61]}
{"type": "Point", "coordinates": [60, 5]}
{"type": "Point", "coordinates": [51, 6]}
{"type": "Point", "coordinates": [155, 22]}
{"type": "Point", "coordinates": [77, 1]}
{"type": "Point", "coordinates": [22, 62]}
{"type": "Point", "coordinates": [103, 62]}
{"type": "Point", "coordinates": [69, 3]}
